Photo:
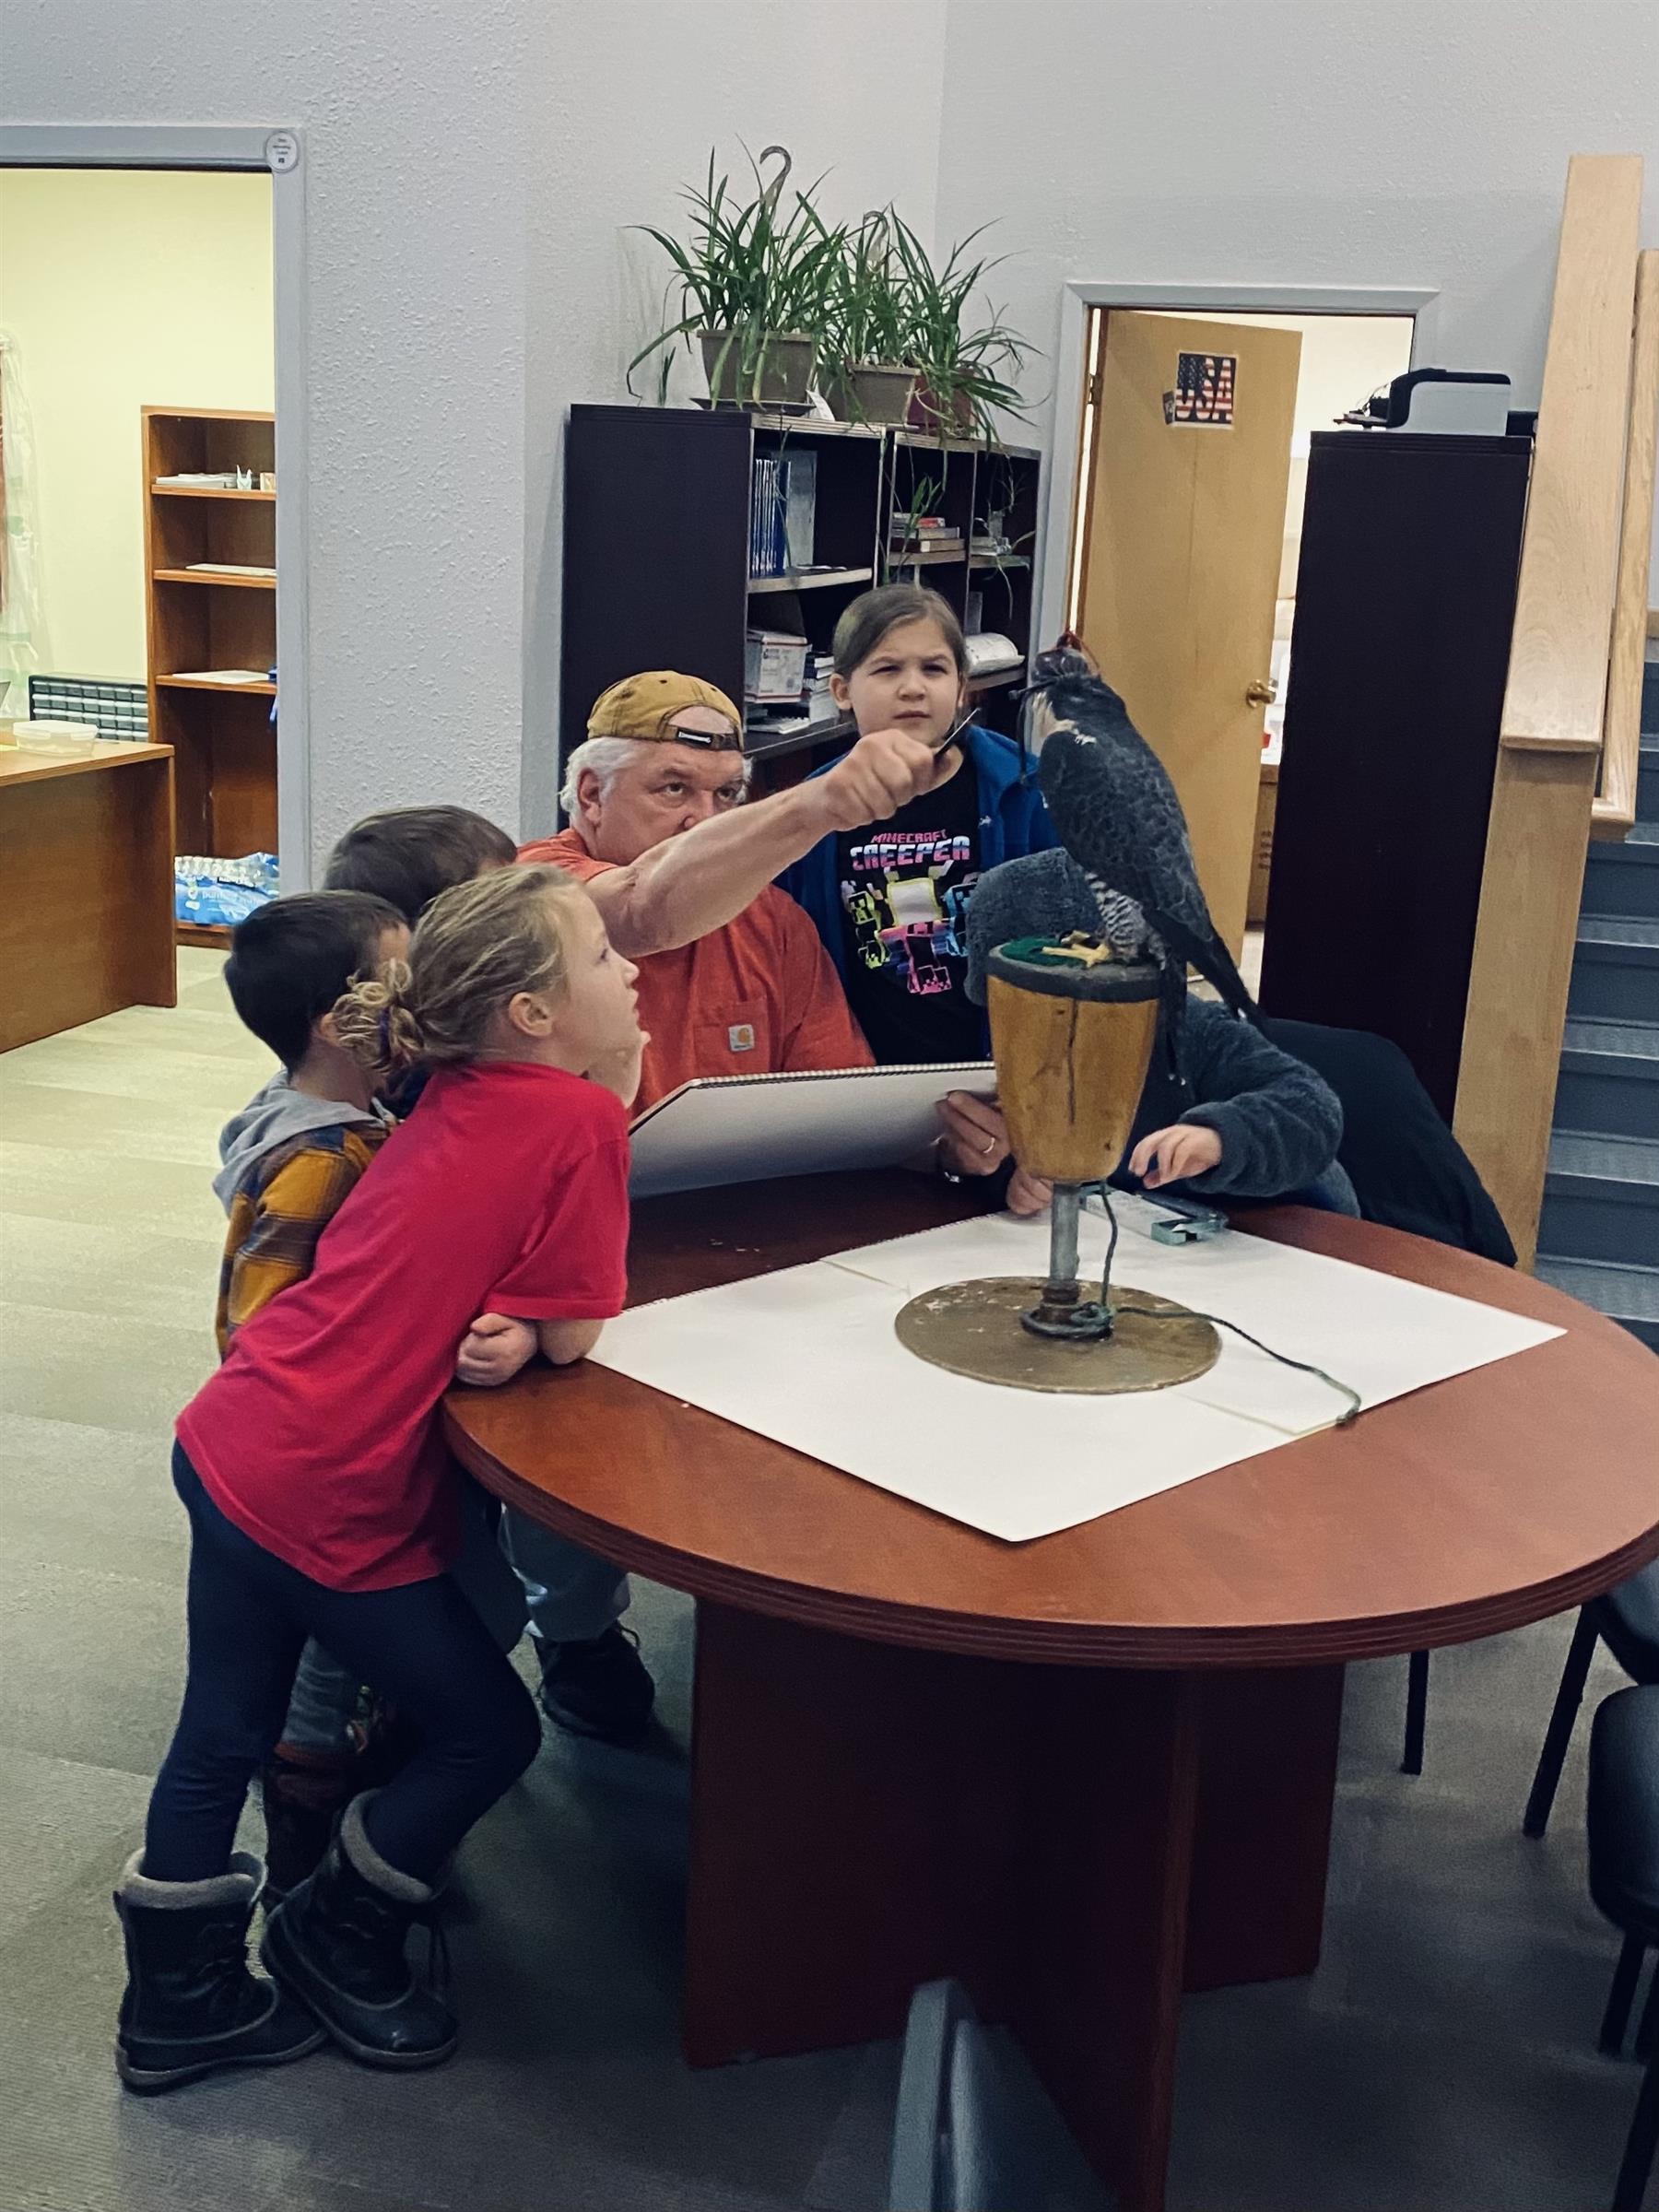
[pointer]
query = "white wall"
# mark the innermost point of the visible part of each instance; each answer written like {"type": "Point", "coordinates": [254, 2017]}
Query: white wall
{"type": "Point", "coordinates": [123, 291]}
{"type": "Point", "coordinates": [1295, 142]}
{"type": "Point", "coordinates": [471, 163]}
{"type": "Point", "coordinates": [625, 105]}
{"type": "Point", "coordinates": [415, 341]}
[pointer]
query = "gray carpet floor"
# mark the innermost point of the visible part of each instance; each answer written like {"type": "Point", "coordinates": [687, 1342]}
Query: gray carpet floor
{"type": "Point", "coordinates": [1442, 2058]}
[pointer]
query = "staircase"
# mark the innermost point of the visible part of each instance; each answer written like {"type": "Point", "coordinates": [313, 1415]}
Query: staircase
{"type": "Point", "coordinates": [1599, 1235]}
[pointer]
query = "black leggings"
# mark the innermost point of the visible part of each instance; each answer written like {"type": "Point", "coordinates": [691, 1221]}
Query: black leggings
{"type": "Point", "coordinates": [423, 1646]}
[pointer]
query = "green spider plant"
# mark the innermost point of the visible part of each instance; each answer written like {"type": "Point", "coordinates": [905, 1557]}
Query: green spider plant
{"type": "Point", "coordinates": [751, 269]}
{"type": "Point", "coordinates": [868, 317]}
{"type": "Point", "coordinates": [966, 367]}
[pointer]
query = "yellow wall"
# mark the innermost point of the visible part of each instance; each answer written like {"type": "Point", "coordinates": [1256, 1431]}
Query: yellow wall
{"type": "Point", "coordinates": [124, 289]}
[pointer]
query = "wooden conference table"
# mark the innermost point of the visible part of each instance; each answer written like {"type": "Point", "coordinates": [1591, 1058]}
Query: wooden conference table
{"type": "Point", "coordinates": [1084, 1774]}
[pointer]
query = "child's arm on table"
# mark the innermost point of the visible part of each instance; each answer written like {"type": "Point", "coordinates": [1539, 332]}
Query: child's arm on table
{"type": "Point", "coordinates": [1267, 1124]}
{"type": "Point", "coordinates": [565, 1342]}
{"type": "Point", "coordinates": [493, 1350]}
{"type": "Point", "coordinates": [494, 1339]}
{"type": "Point", "coordinates": [496, 1346]}
{"type": "Point", "coordinates": [1178, 1154]}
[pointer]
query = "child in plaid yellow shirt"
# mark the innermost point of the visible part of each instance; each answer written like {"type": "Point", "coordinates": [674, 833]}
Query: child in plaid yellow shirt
{"type": "Point", "coordinates": [291, 1158]}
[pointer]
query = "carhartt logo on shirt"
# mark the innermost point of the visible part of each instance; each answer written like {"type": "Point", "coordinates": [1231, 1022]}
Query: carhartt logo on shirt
{"type": "Point", "coordinates": [740, 1037]}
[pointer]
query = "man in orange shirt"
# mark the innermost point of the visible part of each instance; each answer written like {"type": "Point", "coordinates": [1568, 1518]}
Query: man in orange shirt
{"type": "Point", "coordinates": [664, 753]}
{"type": "Point", "coordinates": [761, 996]}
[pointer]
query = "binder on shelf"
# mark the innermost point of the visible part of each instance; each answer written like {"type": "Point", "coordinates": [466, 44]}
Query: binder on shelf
{"type": "Point", "coordinates": [800, 507]}
{"type": "Point", "coordinates": [783, 514]}
{"type": "Point", "coordinates": [767, 547]}
{"type": "Point", "coordinates": [723, 1129]}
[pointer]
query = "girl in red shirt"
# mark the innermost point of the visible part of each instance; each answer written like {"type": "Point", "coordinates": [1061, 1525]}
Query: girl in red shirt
{"type": "Point", "coordinates": [323, 1503]}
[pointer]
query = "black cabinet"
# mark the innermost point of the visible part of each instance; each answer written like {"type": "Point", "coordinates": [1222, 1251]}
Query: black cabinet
{"type": "Point", "coordinates": [1405, 602]}
{"type": "Point", "coordinates": [658, 505]}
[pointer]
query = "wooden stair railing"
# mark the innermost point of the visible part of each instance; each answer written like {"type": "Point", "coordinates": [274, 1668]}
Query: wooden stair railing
{"type": "Point", "coordinates": [1614, 814]}
{"type": "Point", "coordinates": [1551, 740]}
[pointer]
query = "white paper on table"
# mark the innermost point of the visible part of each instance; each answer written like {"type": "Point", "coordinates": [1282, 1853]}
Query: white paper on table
{"type": "Point", "coordinates": [809, 1358]}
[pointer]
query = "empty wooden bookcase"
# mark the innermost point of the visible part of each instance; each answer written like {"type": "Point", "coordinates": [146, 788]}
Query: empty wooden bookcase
{"type": "Point", "coordinates": [210, 566]}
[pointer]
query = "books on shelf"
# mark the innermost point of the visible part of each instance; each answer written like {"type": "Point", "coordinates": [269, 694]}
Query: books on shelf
{"type": "Point", "coordinates": [197, 480]}
{"type": "Point", "coordinates": [228, 568]}
{"type": "Point", "coordinates": [782, 512]}
{"type": "Point", "coordinates": [929, 546]}
{"type": "Point", "coordinates": [766, 533]}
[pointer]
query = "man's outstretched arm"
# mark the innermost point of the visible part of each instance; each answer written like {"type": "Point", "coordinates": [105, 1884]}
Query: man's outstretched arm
{"type": "Point", "coordinates": [688, 885]}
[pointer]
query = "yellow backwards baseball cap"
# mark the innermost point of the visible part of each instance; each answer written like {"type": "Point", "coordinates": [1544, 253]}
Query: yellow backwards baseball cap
{"type": "Point", "coordinates": [647, 706]}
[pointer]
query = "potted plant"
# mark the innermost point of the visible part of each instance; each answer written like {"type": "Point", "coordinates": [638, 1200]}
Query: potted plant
{"type": "Point", "coordinates": [865, 372]}
{"type": "Point", "coordinates": [964, 369]}
{"type": "Point", "coordinates": [751, 283]}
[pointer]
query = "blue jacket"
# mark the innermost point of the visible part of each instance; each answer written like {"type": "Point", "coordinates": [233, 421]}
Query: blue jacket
{"type": "Point", "coordinates": [1012, 821]}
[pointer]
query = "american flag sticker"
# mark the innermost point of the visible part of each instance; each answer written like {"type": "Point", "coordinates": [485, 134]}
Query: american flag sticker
{"type": "Point", "coordinates": [1203, 397]}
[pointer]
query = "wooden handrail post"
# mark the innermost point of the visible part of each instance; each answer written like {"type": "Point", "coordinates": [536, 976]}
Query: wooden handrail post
{"type": "Point", "coordinates": [1614, 814]}
{"type": "Point", "coordinates": [1550, 742]}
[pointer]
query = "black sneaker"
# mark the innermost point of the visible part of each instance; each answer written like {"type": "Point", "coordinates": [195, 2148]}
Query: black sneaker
{"type": "Point", "coordinates": [599, 1687]}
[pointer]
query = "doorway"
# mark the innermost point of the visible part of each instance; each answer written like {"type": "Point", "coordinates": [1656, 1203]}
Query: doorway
{"type": "Point", "coordinates": [1183, 534]}
{"type": "Point", "coordinates": [152, 281]}
{"type": "Point", "coordinates": [137, 313]}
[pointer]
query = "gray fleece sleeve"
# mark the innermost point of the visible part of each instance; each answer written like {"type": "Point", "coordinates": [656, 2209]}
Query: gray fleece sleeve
{"type": "Point", "coordinates": [1279, 1124]}
{"type": "Point", "coordinates": [1042, 894]}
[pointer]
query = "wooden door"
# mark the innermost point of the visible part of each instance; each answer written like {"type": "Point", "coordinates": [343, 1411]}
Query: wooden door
{"type": "Point", "coordinates": [1184, 532]}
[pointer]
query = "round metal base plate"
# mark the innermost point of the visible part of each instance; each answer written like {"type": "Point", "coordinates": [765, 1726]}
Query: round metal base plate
{"type": "Point", "coordinates": [975, 1329]}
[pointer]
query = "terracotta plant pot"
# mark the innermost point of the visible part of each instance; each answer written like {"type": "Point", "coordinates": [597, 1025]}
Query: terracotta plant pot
{"type": "Point", "coordinates": [943, 418]}
{"type": "Point", "coordinates": [778, 370]}
{"type": "Point", "coordinates": [870, 392]}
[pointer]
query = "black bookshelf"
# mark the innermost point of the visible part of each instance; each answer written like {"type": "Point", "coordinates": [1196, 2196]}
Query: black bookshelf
{"type": "Point", "coordinates": [657, 549]}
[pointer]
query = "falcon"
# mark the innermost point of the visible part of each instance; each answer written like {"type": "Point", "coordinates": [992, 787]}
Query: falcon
{"type": "Point", "coordinates": [1116, 813]}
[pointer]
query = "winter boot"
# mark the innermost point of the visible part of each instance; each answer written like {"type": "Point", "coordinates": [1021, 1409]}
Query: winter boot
{"type": "Point", "coordinates": [190, 2004]}
{"type": "Point", "coordinates": [336, 1943]}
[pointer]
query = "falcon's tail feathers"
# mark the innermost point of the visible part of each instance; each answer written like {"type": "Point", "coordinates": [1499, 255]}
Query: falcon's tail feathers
{"type": "Point", "coordinates": [1214, 963]}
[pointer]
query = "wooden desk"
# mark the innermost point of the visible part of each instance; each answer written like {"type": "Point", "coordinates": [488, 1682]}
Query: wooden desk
{"type": "Point", "coordinates": [1083, 1773]}
{"type": "Point", "coordinates": [85, 886]}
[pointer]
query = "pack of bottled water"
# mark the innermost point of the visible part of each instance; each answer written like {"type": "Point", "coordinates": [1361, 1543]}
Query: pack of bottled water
{"type": "Point", "coordinates": [209, 891]}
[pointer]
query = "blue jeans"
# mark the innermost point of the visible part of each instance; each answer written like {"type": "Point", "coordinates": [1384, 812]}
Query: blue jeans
{"type": "Point", "coordinates": [423, 1646]}
{"type": "Point", "coordinates": [572, 1593]}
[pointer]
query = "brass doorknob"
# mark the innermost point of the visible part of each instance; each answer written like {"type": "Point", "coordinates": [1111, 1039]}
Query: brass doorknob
{"type": "Point", "coordinates": [1261, 694]}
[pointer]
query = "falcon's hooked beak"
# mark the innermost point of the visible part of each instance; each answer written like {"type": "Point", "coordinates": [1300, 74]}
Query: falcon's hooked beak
{"type": "Point", "coordinates": [1037, 719]}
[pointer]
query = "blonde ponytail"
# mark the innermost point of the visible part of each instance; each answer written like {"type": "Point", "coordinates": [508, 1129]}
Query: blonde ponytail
{"type": "Point", "coordinates": [475, 950]}
{"type": "Point", "coordinates": [376, 1024]}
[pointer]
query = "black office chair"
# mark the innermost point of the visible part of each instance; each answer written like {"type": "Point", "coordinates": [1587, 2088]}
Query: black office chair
{"type": "Point", "coordinates": [1627, 1621]}
{"type": "Point", "coordinates": [974, 2132]}
{"type": "Point", "coordinates": [1409, 1172]}
{"type": "Point", "coordinates": [1623, 1828]}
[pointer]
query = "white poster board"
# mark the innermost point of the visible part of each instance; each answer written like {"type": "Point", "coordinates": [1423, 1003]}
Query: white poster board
{"type": "Point", "coordinates": [809, 1358]}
